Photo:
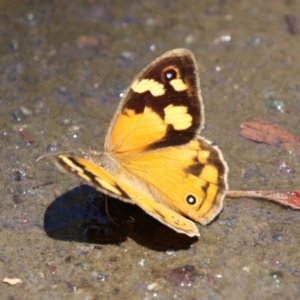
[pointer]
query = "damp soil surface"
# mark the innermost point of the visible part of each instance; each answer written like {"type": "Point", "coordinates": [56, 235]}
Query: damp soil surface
{"type": "Point", "coordinates": [64, 65]}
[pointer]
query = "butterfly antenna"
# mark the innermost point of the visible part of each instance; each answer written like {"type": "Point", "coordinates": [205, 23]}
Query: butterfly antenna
{"type": "Point", "coordinates": [55, 153]}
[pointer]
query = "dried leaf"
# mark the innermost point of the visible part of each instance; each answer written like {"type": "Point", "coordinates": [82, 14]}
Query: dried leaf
{"type": "Point", "coordinates": [289, 198]}
{"type": "Point", "coordinates": [263, 132]}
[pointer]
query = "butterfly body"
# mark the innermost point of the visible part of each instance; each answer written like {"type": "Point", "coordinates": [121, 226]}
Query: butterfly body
{"type": "Point", "coordinates": [153, 155]}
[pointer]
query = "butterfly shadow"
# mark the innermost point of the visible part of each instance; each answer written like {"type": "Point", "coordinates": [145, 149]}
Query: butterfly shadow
{"type": "Point", "coordinates": [88, 216]}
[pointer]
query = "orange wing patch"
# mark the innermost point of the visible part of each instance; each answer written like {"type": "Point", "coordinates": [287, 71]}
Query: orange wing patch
{"type": "Point", "coordinates": [142, 129]}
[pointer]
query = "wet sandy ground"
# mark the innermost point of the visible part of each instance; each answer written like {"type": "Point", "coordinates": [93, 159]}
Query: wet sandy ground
{"type": "Point", "coordinates": [63, 66]}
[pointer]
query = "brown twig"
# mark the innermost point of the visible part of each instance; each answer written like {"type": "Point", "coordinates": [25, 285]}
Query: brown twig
{"type": "Point", "coordinates": [26, 137]}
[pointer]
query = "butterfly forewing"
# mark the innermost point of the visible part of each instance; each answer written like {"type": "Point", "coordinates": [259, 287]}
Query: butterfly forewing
{"type": "Point", "coordinates": [113, 186]}
{"type": "Point", "coordinates": [161, 108]}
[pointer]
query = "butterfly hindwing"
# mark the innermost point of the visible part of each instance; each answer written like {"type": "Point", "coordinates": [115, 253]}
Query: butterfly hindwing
{"type": "Point", "coordinates": [190, 179]}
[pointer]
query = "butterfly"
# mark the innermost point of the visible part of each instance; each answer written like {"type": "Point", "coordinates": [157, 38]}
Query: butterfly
{"type": "Point", "coordinates": [153, 155]}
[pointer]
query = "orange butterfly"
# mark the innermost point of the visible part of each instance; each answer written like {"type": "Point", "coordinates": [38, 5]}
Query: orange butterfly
{"type": "Point", "coordinates": [153, 155]}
